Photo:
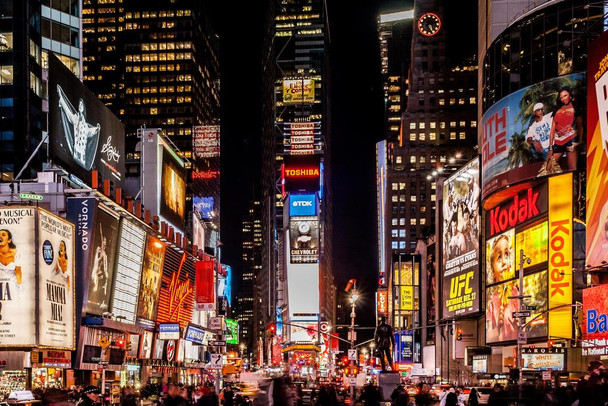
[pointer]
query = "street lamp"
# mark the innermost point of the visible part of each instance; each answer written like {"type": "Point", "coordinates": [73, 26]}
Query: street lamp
{"type": "Point", "coordinates": [354, 296]}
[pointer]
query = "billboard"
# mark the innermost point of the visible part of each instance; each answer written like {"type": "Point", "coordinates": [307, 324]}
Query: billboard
{"type": "Point", "coordinates": [84, 134]}
{"type": "Point", "coordinates": [206, 141]}
{"type": "Point", "coordinates": [17, 276]}
{"type": "Point", "coordinates": [56, 281]}
{"type": "Point", "coordinates": [501, 325]}
{"type": "Point", "coordinates": [151, 275]}
{"type": "Point", "coordinates": [205, 287]}
{"type": "Point", "coordinates": [302, 205]}
{"type": "Point", "coordinates": [597, 153]}
{"type": "Point", "coordinates": [595, 328]}
{"type": "Point", "coordinates": [381, 192]}
{"type": "Point", "coordinates": [460, 241]}
{"type": "Point", "coordinates": [169, 331]}
{"type": "Point", "coordinates": [304, 240]}
{"type": "Point", "coordinates": [176, 302]}
{"type": "Point", "coordinates": [524, 131]}
{"type": "Point", "coordinates": [173, 189]}
{"type": "Point", "coordinates": [544, 359]}
{"type": "Point", "coordinates": [500, 257]}
{"type": "Point", "coordinates": [203, 205]}
{"type": "Point", "coordinates": [301, 138]}
{"type": "Point", "coordinates": [560, 255]}
{"type": "Point", "coordinates": [304, 331]}
{"type": "Point", "coordinates": [128, 271]}
{"type": "Point", "coordinates": [534, 241]}
{"type": "Point", "coordinates": [298, 91]}
{"type": "Point", "coordinates": [198, 232]}
{"type": "Point", "coordinates": [105, 234]}
{"type": "Point", "coordinates": [232, 326]}
{"type": "Point", "coordinates": [301, 174]}
{"type": "Point", "coordinates": [303, 290]}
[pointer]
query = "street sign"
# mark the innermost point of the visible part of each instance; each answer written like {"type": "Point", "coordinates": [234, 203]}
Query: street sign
{"type": "Point", "coordinates": [95, 359]}
{"type": "Point", "coordinates": [525, 313]}
{"type": "Point", "coordinates": [30, 196]}
{"type": "Point", "coordinates": [522, 337]}
{"type": "Point", "coordinates": [216, 323]}
{"type": "Point", "coordinates": [352, 380]}
{"type": "Point", "coordinates": [104, 342]}
{"type": "Point", "coordinates": [218, 343]}
{"type": "Point", "coordinates": [216, 361]}
{"type": "Point", "coordinates": [352, 355]}
{"type": "Point", "coordinates": [547, 375]}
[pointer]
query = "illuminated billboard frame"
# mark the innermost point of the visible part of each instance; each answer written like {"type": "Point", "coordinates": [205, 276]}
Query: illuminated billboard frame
{"type": "Point", "coordinates": [460, 242]}
{"type": "Point", "coordinates": [84, 135]}
{"type": "Point", "coordinates": [516, 132]}
{"type": "Point", "coordinates": [595, 328]}
{"type": "Point", "coordinates": [299, 90]}
{"type": "Point", "coordinates": [304, 240]}
{"type": "Point", "coordinates": [173, 188]}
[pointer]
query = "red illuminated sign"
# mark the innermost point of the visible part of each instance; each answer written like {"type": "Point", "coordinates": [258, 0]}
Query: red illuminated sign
{"type": "Point", "coordinates": [299, 172]}
{"type": "Point", "coordinates": [523, 207]}
{"type": "Point", "coordinates": [205, 174]}
{"type": "Point", "coordinates": [177, 293]}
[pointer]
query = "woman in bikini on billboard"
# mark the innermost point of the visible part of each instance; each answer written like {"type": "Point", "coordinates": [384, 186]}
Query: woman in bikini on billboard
{"type": "Point", "coordinates": [566, 130]}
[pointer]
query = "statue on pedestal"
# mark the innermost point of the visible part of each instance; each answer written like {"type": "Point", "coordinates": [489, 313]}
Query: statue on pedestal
{"type": "Point", "coordinates": [385, 340]}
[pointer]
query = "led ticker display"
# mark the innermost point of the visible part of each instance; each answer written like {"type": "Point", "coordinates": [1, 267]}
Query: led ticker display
{"type": "Point", "coordinates": [102, 266]}
{"type": "Point", "coordinates": [128, 271]}
{"type": "Point", "coordinates": [460, 241]}
{"type": "Point", "coordinates": [597, 153]}
{"type": "Point", "coordinates": [84, 134]}
{"type": "Point", "coordinates": [519, 126]}
{"type": "Point", "coordinates": [151, 274]}
{"type": "Point", "coordinates": [56, 281]}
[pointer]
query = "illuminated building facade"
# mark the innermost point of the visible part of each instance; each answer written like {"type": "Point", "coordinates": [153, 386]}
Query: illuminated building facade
{"type": "Point", "coordinates": [156, 65]}
{"type": "Point", "coordinates": [295, 134]}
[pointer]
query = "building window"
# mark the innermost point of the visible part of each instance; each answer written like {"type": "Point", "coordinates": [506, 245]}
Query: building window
{"type": "Point", "coordinates": [422, 136]}
{"type": "Point", "coordinates": [413, 198]}
{"type": "Point", "coordinates": [394, 198]}
{"type": "Point", "coordinates": [460, 101]}
{"type": "Point", "coordinates": [401, 245]}
{"type": "Point", "coordinates": [394, 186]}
{"type": "Point", "coordinates": [422, 221]}
{"type": "Point", "coordinates": [463, 123]}
{"type": "Point", "coordinates": [6, 74]}
{"type": "Point", "coordinates": [393, 221]}
{"type": "Point", "coordinates": [472, 100]}
{"type": "Point", "coordinates": [398, 159]}
{"type": "Point", "coordinates": [432, 136]}
{"type": "Point", "coordinates": [442, 102]}
{"type": "Point", "coordinates": [402, 233]}
{"type": "Point", "coordinates": [452, 102]}
{"type": "Point", "coordinates": [462, 135]}
{"type": "Point", "coordinates": [413, 159]}
{"type": "Point", "coordinates": [442, 124]}
{"type": "Point", "coordinates": [413, 222]}
{"type": "Point", "coordinates": [402, 198]}
{"type": "Point", "coordinates": [453, 135]}
{"type": "Point", "coordinates": [402, 221]}
{"type": "Point", "coordinates": [412, 136]}
{"type": "Point", "coordinates": [412, 126]}
{"type": "Point", "coordinates": [452, 124]}
{"type": "Point", "coordinates": [6, 41]}
{"type": "Point", "coordinates": [401, 185]}
{"type": "Point", "coordinates": [394, 233]}
{"type": "Point", "coordinates": [474, 124]}
{"type": "Point", "coordinates": [394, 245]}
{"type": "Point", "coordinates": [422, 126]}
{"type": "Point", "coordinates": [432, 124]}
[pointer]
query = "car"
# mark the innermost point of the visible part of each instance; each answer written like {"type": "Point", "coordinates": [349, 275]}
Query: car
{"type": "Point", "coordinates": [437, 389]}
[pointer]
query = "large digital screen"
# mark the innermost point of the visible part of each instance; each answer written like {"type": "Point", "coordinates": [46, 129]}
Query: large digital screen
{"type": "Point", "coordinates": [173, 189]}
{"type": "Point", "coordinates": [17, 276]}
{"type": "Point", "coordinates": [233, 331]}
{"type": "Point", "coordinates": [128, 271]}
{"type": "Point", "coordinates": [460, 237]}
{"type": "Point", "coordinates": [500, 257]}
{"type": "Point", "coordinates": [101, 270]}
{"type": "Point", "coordinates": [304, 240]}
{"type": "Point", "coordinates": [534, 241]}
{"type": "Point", "coordinates": [302, 205]}
{"type": "Point", "coordinates": [597, 153]}
{"type": "Point", "coordinates": [303, 289]}
{"type": "Point", "coordinates": [381, 196]}
{"type": "Point", "coordinates": [519, 130]}
{"type": "Point", "coordinates": [298, 91]}
{"type": "Point", "coordinates": [304, 332]}
{"type": "Point", "coordinates": [56, 305]}
{"type": "Point", "coordinates": [84, 134]}
{"type": "Point", "coordinates": [501, 325]}
{"type": "Point", "coordinates": [204, 206]}
{"type": "Point", "coordinates": [301, 174]}
{"type": "Point", "coordinates": [151, 275]}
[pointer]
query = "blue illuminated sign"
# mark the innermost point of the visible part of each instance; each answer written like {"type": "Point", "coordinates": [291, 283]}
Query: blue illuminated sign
{"type": "Point", "coordinates": [168, 331]}
{"type": "Point", "coordinates": [203, 205]}
{"type": "Point", "coordinates": [195, 334]}
{"type": "Point", "coordinates": [302, 205]}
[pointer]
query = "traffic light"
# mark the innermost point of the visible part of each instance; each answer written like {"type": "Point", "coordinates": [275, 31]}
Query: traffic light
{"type": "Point", "coordinates": [128, 342]}
{"type": "Point", "coordinates": [272, 329]}
{"type": "Point", "coordinates": [344, 360]}
{"type": "Point", "coordinates": [459, 334]}
{"type": "Point", "coordinates": [120, 343]}
{"type": "Point", "coordinates": [351, 370]}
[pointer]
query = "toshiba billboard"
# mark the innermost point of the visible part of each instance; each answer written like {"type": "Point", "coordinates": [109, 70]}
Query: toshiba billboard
{"type": "Point", "coordinates": [301, 174]}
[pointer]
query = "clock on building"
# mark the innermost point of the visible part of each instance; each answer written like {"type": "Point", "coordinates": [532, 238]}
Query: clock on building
{"type": "Point", "coordinates": [429, 24]}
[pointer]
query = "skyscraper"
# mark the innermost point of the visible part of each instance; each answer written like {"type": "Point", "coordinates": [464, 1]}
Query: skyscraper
{"type": "Point", "coordinates": [296, 170]}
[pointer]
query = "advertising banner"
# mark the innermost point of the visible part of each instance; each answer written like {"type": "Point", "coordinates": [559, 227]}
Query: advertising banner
{"type": "Point", "coordinates": [128, 271]}
{"type": "Point", "coordinates": [204, 206]}
{"type": "Point", "coordinates": [406, 297]}
{"type": "Point", "coordinates": [151, 275]}
{"type": "Point", "coordinates": [298, 91]}
{"type": "Point", "coordinates": [595, 329]}
{"type": "Point", "coordinates": [84, 134]}
{"type": "Point", "coordinates": [233, 331]}
{"type": "Point", "coordinates": [205, 288]}
{"type": "Point", "coordinates": [535, 243]}
{"type": "Point", "coordinates": [304, 240]}
{"type": "Point", "coordinates": [17, 276]}
{"type": "Point", "coordinates": [382, 302]}
{"type": "Point", "coordinates": [480, 364]}
{"type": "Point", "coordinates": [381, 192]}
{"type": "Point", "coordinates": [206, 141]}
{"type": "Point", "coordinates": [145, 350]}
{"type": "Point", "coordinates": [176, 302]}
{"type": "Point", "coordinates": [301, 174]}
{"type": "Point", "coordinates": [102, 263]}
{"type": "Point", "coordinates": [302, 205]}
{"type": "Point", "coordinates": [56, 307]}
{"type": "Point", "coordinates": [303, 290]}
{"type": "Point", "coordinates": [597, 153]}
{"type": "Point", "coordinates": [173, 189]}
{"type": "Point", "coordinates": [431, 290]}
{"type": "Point", "coordinates": [195, 334]}
{"type": "Point", "coordinates": [519, 130]}
{"type": "Point", "coordinates": [501, 325]}
{"type": "Point", "coordinates": [198, 232]}
{"type": "Point", "coordinates": [560, 256]}
{"type": "Point", "coordinates": [460, 242]}
{"type": "Point", "coordinates": [304, 331]}
{"type": "Point", "coordinates": [168, 331]}
{"type": "Point", "coordinates": [543, 359]}
{"type": "Point", "coordinates": [302, 138]}
{"type": "Point", "coordinates": [404, 342]}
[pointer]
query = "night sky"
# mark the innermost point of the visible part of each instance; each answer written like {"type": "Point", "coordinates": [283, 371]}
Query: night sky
{"type": "Point", "coordinates": [357, 124]}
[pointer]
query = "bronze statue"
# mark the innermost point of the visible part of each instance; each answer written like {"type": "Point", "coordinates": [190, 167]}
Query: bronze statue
{"type": "Point", "coordinates": [384, 341]}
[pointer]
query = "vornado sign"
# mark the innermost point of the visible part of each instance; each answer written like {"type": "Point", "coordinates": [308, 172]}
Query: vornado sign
{"type": "Point", "coordinates": [560, 256]}
{"type": "Point", "coordinates": [527, 205]}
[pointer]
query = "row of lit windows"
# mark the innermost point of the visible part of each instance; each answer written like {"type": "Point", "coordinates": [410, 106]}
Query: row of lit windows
{"type": "Point", "coordinates": [442, 124]}
{"type": "Point", "coordinates": [401, 245]}
{"type": "Point", "coordinates": [163, 56]}
{"type": "Point", "coordinates": [154, 68]}
{"type": "Point", "coordinates": [166, 46]}
{"type": "Point", "coordinates": [162, 100]}
{"type": "Point", "coordinates": [433, 136]}
{"type": "Point", "coordinates": [156, 14]}
{"type": "Point", "coordinates": [413, 198]}
{"type": "Point", "coordinates": [161, 89]}
{"type": "Point", "coordinates": [297, 17]}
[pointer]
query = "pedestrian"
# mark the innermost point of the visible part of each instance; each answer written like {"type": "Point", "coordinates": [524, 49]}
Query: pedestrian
{"type": "Point", "coordinates": [399, 396]}
{"type": "Point", "coordinates": [173, 397]}
{"type": "Point", "coordinates": [442, 396]}
{"type": "Point", "coordinates": [423, 398]}
{"type": "Point", "coordinates": [90, 396]}
{"type": "Point", "coordinates": [497, 397]}
{"type": "Point", "coordinates": [474, 397]}
{"type": "Point", "coordinates": [371, 395]}
{"type": "Point", "coordinates": [128, 398]}
{"type": "Point", "coordinates": [451, 399]}
{"type": "Point", "coordinates": [228, 396]}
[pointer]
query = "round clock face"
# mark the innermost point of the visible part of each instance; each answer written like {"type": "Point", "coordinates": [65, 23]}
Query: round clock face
{"type": "Point", "coordinates": [304, 228]}
{"type": "Point", "coordinates": [429, 24]}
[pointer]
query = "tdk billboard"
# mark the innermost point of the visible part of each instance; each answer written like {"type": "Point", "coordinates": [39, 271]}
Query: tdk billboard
{"type": "Point", "coordinates": [302, 205]}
